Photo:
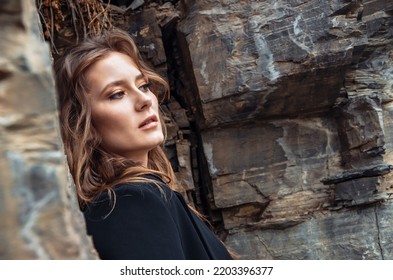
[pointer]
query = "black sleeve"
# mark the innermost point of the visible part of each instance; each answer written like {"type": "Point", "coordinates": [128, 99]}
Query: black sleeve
{"type": "Point", "coordinates": [139, 226]}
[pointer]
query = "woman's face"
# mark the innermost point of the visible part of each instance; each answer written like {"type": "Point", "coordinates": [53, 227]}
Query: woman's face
{"type": "Point", "coordinates": [124, 110]}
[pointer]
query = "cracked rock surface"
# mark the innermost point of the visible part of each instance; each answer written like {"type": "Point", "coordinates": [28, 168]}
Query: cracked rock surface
{"type": "Point", "coordinates": [280, 126]}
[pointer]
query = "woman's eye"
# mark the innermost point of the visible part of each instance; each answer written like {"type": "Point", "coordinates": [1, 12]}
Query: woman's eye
{"type": "Point", "coordinates": [117, 95]}
{"type": "Point", "coordinates": [145, 87]}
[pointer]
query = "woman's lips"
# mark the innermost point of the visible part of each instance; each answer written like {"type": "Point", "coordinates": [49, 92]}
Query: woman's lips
{"type": "Point", "coordinates": [150, 122]}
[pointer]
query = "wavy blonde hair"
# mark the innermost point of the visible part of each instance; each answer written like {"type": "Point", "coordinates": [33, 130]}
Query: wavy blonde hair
{"type": "Point", "coordinates": [94, 169]}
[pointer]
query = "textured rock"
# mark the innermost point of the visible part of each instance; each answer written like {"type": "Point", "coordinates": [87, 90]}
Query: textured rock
{"type": "Point", "coordinates": [259, 65]}
{"type": "Point", "coordinates": [276, 163]}
{"type": "Point", "coordinates": [148, 36]}
{"type": "Point", "coordinates": [280, 125]}
{"type": "Point", "coordinates": [357, 192]}
{"type": "Point", "coordinates": [361, 234]}
{"type": "Point", "coordinates": [38, 214]}
{"type": "Point", "coordinates": [361, 128]}
{"type": "Point", "coordinates": [293, 100]}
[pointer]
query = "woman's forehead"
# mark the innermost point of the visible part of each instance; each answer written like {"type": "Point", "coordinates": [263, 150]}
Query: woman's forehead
{"type": "Point", "coordinates": [112, 70]}
{"type": "Point", "coordinates": [114, 63]}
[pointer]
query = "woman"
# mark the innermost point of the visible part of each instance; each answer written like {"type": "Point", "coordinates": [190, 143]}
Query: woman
{"type": "Point", "coordinates": [112, 132]}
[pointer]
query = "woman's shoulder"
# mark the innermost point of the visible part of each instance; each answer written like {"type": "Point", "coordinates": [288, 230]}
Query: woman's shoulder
{"type": "Point", "coordinates": [147, 185]}
{"type": "Point", "coordinates": [138, 188]}
{"type": "Point", "coordinates": [152, 191]}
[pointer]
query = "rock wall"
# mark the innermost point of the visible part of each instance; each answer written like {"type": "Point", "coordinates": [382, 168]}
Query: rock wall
{"type": "Point", "coordinates": [293, 102]}
{"type": "Point", "coordinates": [280, 126]}
{"type": "Point", "coordinates": [39, 218]}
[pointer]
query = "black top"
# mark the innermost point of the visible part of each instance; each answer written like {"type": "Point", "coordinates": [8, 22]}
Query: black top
{"type": "Point", "coordinates": [146, 223]}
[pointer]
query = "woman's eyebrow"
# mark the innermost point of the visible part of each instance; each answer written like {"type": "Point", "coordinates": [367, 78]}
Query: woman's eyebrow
{"type": "Point", "coordinates": [112, 84]}
{"type": "Point", "coordinates": [121, 83]}
{"type": "Point", "coordinates": [140, 77]}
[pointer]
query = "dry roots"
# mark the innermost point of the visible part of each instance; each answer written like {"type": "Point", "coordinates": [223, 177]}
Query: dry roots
{"type": "Point", "coordinates": [85, 16]}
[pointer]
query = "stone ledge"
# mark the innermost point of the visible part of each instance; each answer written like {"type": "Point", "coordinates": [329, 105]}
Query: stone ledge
{"type": "Point", "coordinates": [376, 170]}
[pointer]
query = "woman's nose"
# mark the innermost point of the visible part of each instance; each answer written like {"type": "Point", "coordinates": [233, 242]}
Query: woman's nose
{"type": "Point", "coordinates": [144, 101]}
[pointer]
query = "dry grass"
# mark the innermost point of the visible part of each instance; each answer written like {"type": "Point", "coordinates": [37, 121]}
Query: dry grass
{"type": "Point", "coordinates": [72, 19]}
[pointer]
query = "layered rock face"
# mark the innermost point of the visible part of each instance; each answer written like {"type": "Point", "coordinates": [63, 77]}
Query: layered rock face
{"type": "Point", "coordinates": [39, 218]}
{"type": "Point", "coordinates": [293, 103]}
{"type": "Point", "coordinates": [280, 125]}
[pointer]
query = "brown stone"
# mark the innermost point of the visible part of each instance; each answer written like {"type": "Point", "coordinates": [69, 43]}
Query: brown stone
{"type": "Point", "coordinates": [38, 212]}
{"type": "Point", "coordinates": [285, 123]}
{"type": "Point", "coordinates": [358, 191]}
{"type": "Point", "coordinates": [287, 94]}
